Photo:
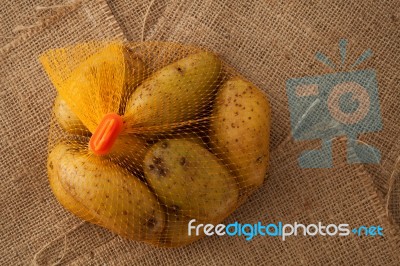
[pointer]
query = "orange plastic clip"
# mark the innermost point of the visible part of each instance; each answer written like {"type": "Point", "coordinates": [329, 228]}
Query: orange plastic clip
{"type": "Point", "coordinates": [106, 133]}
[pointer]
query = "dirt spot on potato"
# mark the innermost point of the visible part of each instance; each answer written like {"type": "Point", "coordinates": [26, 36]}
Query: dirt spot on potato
{"type": "Point", "coordinates": [164, 145]}
{"type": "Point", "coordinates": [151, 223]}
{"type": "Point", "coordinates": [182, 161]}
{"type": "Point", "coordinates": [174, 208]}
{"type": "Point", "coordinates": [158, 167]}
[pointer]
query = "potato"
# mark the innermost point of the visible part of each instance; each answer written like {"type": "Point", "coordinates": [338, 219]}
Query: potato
{"type": "Point", "coordinates": [103, 193]}
{"type": "Point", "coordinates": [240, 130]}
{"type": "Point", "coordinates": [186, 176]}
{"type": "Point", "coordinates": [67, 119]}
{"type": "Point", "coordinates": [176, 230]}
{"type": "Point", "coordinates": [176, 93]}
{"type": "Point", "coordinates": [61, 193]}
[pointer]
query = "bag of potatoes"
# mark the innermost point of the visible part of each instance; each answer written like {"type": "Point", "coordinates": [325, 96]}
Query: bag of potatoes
{"type": "Point", "coordinates": [148, 136]}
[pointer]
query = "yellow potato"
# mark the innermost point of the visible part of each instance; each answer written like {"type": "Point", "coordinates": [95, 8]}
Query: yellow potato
{"type": "Point", "coordinates": [67, 119]}
{"type": "Point", "coordinates": [177, 93]}
{"type": "Point", "coordinates": [105, 194]}
{"type": "Point", "coordinates": [186, 176]}
{"type": "Point", "coordinates": [61, 193]}
{"type": "Point", "coordinates": [240, 130]}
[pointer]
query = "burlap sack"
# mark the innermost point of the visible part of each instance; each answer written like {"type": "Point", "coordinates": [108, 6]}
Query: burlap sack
{"type": "Point", "coordinates": [269, 43]}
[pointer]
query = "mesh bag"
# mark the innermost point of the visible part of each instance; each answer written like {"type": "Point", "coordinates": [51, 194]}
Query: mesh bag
{"type": "Point", "coordinates": [148, 136]}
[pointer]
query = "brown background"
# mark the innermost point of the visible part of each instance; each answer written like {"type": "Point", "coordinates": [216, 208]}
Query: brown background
{"type": "Point", "coordinates": [268, 42]}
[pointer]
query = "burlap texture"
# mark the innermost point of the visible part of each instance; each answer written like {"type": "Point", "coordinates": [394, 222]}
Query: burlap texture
{"type": "Point", "coordinates": [19, 16]}
{"type": "Point", "coordinates": [268, 43]}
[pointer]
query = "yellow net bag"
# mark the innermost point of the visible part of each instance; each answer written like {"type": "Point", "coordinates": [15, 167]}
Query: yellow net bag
{"type": "Point", "coordinates": [146, 137]}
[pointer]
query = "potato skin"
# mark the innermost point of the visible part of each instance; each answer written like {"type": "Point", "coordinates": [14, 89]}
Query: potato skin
{"type": "Point", "coordinates": [61, 193]}
{"type": "Point", "coordinates": [176, 93]}
{"type": "Point", "coordinates": [240, 130]}
{"type": "Point", "coordinates": [67, 119]}
{"type": "Point", "coordinates": [103, 193]}
{"type": "Point", "coordinates": [186, 176]}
